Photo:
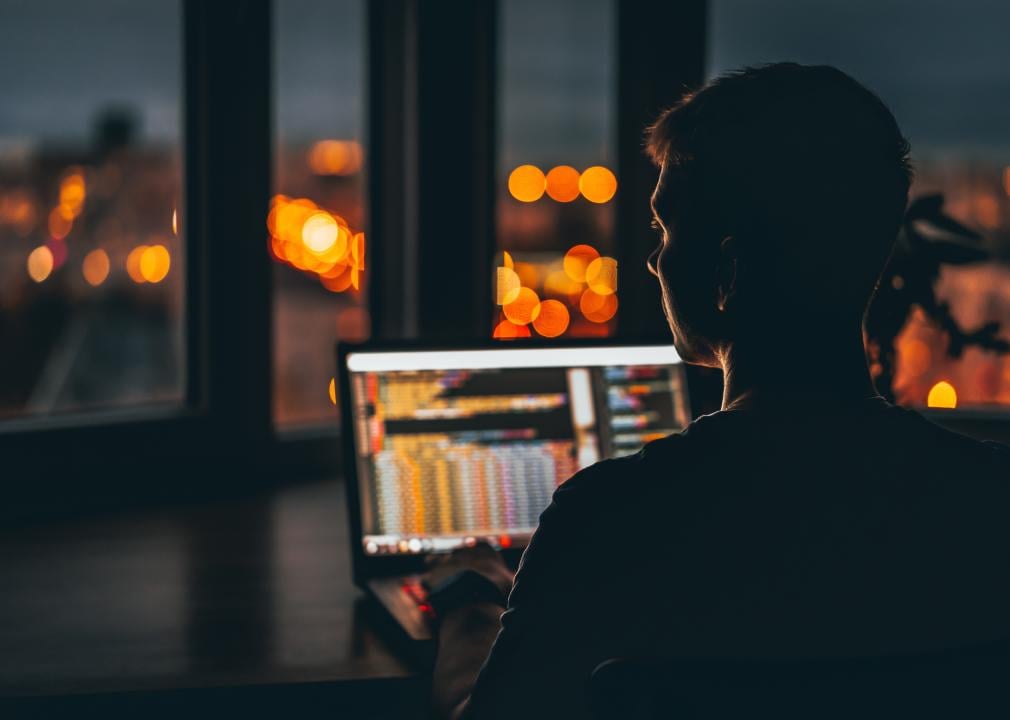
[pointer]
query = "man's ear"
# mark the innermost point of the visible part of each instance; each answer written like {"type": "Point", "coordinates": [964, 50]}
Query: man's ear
{"type": "Point", "coordinates": [728, 273]}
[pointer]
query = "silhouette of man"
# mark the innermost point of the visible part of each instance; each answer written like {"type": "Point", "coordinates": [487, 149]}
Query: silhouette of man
{"type": "Point", "coordinates": [808, 517]}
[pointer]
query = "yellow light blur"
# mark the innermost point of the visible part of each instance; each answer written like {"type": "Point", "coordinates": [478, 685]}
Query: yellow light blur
{"type": "Point", "coordinates": [563, 183]}
{"type": "Point", "coordinates": [551, 319]}
{"type": "Point", "coordinates": [175, 221]}
{"type": "Point", "coordinates": [598, 308]}
{"type": "Point", "coordinates": [558, 283]}
{"type": "Point", "coordinates": [524, 309]}
{"type": "Point", "coordinates": [73, 192]}
{"type": "Point", "coordinates": [507, 287]}
{"type": "Point", "coordinates": [60, 222]}
{"type": "Point", "coordinates": [320, 232]}
{"type": "Point", "coordinates": [358, 251]}
{"type": "Point", "coordinates": [597, 184]}
{"type": "Point", "coordinates": [507, 260]}
{"type": "Point", "coordinates": [601, 276]}
{"type": "Point", "coordinates": [154, 263]}
{"type": "Point", "coordinates": [40, 263]}
{"type": "Point", "coordinates": [333, 391]}
{"type": "Point", "coordinates": [527, 183]}
{"type": "Point", "coordinates": [506, 330]}
{"type": "Point", "coordinates": [335, 157]}
{"type": "Point", "coordinates": [942, 395]}
{"type": "Point", "coordinates": [133, 264]}
{"type": "Point", "coordinates": [95, 267]}
{"type": "Point", "coordinates": [576, 261]}
{"type": "Point", "coordinates": [340, 283]}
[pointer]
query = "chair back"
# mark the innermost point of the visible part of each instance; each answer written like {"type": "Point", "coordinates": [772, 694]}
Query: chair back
{"type": "Point", "coordinates": [964, 683]}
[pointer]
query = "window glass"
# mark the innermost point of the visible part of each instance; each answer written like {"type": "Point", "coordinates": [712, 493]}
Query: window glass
{"type": "Point", "coordinates": [555, 274]}
{"type": "Point", "coordinates": [316, 224]}
{"type": "Point", "coordinates": [91, 249]}
{"type": "Point", "coordinates": [942, 68]}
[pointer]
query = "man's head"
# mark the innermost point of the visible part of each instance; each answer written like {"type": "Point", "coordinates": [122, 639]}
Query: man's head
{"type": "Point", "coordinates": [781, 191]}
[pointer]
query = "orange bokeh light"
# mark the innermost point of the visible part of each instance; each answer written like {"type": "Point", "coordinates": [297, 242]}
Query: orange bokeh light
{"type": "Point", "coordinates": [551, 319]}
{"type": "Point", "coordinates": [315, 240]}
{"type": "Point", "coordinates": [335, 157]}
{"type": "Point", "coordinates": [523, 310]}
{"type": "Point", "coordinates": [40, 263]}
{"type": "Point", "coordinates": [333, 391]}
{"type": "Point", "coordinates": [60, 222]}
{"type": "Point", "coordinates": [597, 184]}
{"type": "Point", "coordinates": [601, 276]}
{"type": "Point", "coordinates": [527, 183]}
{"type": "Point", "coordinates": [133, 264]}
{"type": "Point", "coordinates": [358, 251]}
{"type": "Point", "coordinates": [155, 263]}
{"type": "Point", "coordinates": [320, 232]}
{"type": "Point", "coordinates": [507, 286]}
{"type": "Point", "coordinates": [598, 308]}
{"type": "Point", "coordinates": [558, 283]}
{"type": "Point", "coordinates": [942, 395]}
{"type": "Point", "coordinates": [507, 260]}
{"type": "Point", "coordinates": [339, 283]}
{"type": "Point", "coordinates": [95, 267]}
{"type": "Point", "coordinates": [506, 330]}
{"type": "Point", "coordinates": [577, 260]}
{"type": "Point", "coordinates": [72, 193]}
{"type": "Point", "coordinates": [563, 183]}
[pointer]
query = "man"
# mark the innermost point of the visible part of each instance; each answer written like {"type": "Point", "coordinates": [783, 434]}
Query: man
{"type": "Point", "coordinates": [807, 518]}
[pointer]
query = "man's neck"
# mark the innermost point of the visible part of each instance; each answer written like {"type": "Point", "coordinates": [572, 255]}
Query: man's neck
{"type": "Point", "coordinates": [822, 369]}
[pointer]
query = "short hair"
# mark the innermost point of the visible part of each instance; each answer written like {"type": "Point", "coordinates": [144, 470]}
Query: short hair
{"type": "Point", "coordinates": [803, 165]}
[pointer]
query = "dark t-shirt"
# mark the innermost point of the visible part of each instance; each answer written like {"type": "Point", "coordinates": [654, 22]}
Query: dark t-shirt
{"type": "Point", "coordinates": [812, 534]}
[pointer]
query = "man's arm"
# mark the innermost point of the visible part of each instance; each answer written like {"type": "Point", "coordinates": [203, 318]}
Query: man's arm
{"type": "Point", "coordinates": [466, 633]}
{"type": "Point", "coordinates": [539, 660]}
{"type": "Point", "coordinates": [465, 639]}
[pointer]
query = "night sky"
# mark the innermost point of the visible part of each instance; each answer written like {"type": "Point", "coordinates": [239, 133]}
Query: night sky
{"type": "Point", "coordinates": [943, 67]}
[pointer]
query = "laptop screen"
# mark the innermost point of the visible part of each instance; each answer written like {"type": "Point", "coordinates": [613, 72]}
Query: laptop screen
{"type": "Point", "coordinates": [454, 447]}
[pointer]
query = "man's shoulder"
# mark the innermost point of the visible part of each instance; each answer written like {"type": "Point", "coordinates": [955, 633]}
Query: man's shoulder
{"type": "Point", "coordinates": [934, 439]}
{"type": "Point", "coordinates": [618, 477]}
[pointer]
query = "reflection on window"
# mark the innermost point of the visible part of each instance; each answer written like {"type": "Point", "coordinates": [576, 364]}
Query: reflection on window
{"type": "Point", "coordinates": [91, 281]}
{"type": "Point", "coordinates": [945, 77]}
{"type": "Point", "coordinates": [316, 221]}
{"type": "Point", "coordinates": [555, 223]}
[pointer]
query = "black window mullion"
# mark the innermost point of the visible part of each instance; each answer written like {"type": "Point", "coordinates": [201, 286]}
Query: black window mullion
{"type": "Point", "coordinates": [455, 64]}
{"type": "Point", "coordinates": [661, 53]}
{"type": "Point", "coordinates": [229, 144]}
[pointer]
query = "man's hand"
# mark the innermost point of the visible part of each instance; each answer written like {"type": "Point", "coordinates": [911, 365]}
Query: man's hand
{"type": "Point", "coordinates": [481, 557]}
{"type": "Point", "coordinates": [466, 633]}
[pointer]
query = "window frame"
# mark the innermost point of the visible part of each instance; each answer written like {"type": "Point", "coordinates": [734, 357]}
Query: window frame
{"type": "Point", "coordinates": [223, 436]}
{"type": "Point", "coordinates": [114, 457]}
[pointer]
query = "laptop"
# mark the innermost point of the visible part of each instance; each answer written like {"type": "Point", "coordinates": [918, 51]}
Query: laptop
{"type": "Point", "coordinates": [445, 447]}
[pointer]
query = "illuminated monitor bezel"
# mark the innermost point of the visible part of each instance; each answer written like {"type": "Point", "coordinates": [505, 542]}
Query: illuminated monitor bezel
{"type": "Point", "coordinates": [394, 356]}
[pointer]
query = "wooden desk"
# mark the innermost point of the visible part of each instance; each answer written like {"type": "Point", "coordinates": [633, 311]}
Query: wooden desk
{"type": "Point", "coordinates": [239, 604]}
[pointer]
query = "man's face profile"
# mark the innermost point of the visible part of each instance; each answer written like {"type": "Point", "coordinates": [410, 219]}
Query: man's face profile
{"type": "Point", "coordinates": [680, 275]}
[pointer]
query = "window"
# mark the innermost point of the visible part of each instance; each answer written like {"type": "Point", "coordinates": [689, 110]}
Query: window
{"type": "Point", "coordinates": [91, 281]}
{"type": "Point", "coordinates": [942, 69]}
{"type": "Point", "coordinates": [317, 217]}
{"type": "Point", "coordinates": [556, 160]}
